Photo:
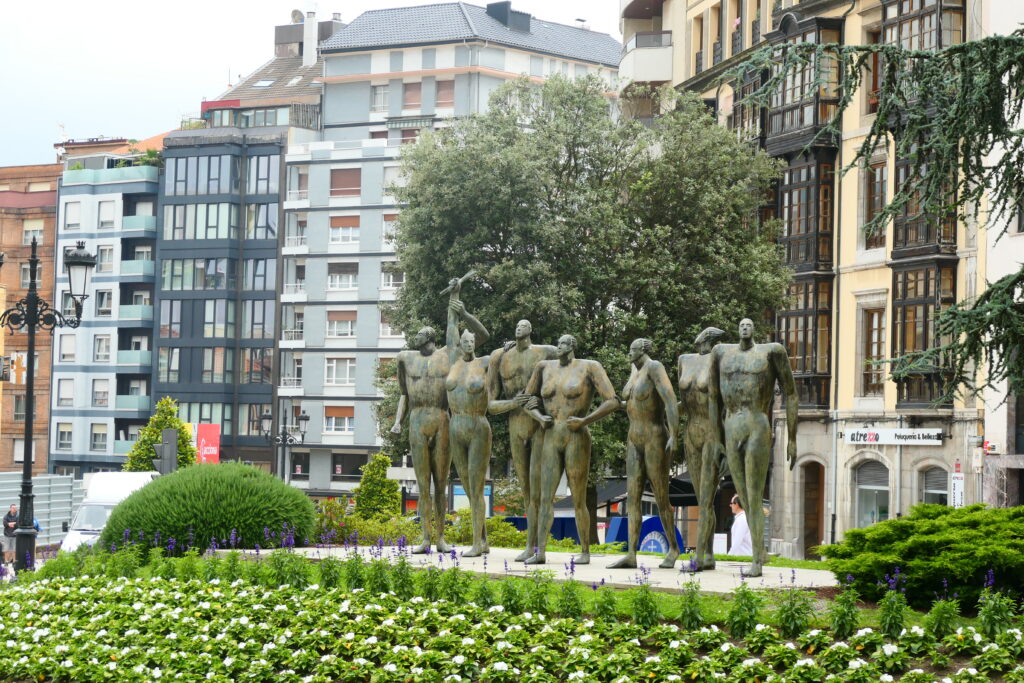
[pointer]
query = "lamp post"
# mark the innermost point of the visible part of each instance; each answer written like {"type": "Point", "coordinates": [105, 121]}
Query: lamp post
{"type": "Point", "coordinates": [30, 314]}
{"type": "Point", "coordinates": [285, 438]}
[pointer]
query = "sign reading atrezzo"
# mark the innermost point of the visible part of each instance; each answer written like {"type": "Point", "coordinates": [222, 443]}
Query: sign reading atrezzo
{"type": "Point", "coordinates": [894, 437]}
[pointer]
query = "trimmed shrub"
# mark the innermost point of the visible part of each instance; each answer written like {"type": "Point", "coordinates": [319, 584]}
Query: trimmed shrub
{"type": "Point", "coordinates": [190, 507]}
{"type": "Point", "coordinates": [933, 543]}
{"type": "Point", "coordinates": [377, 497]}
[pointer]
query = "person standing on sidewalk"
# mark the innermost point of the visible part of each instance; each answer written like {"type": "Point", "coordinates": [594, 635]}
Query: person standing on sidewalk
{"type": "Point", "coordinates": [10, 525]}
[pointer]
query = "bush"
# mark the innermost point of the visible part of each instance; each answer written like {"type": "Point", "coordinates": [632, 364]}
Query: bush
{"type": "Point", "coordinates": [191, 506]}
{"type": "Point", "coordinates": [499, 534]}
{"type": "Point", "coordinates": [377, 497]}
{"type": "Point", "coordinates": [335, 527]}
{"type": "Point", "coordinates": [932, 543]}
{"type": "Point", "coordinates": [140, 457]}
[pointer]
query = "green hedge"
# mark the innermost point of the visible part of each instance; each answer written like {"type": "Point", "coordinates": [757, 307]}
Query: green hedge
{"type": "Point", "coordinates": [933, 544]}
{"type": "Point", "coordinates": [205, 502]}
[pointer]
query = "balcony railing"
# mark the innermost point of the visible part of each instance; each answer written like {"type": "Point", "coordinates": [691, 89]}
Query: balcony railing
{"type": "Point", "coordinates": [295, 240]}
{"type": "Point", "coordinates": [292, 335]}
{"type": "Point", "coordinates": [698, 64]}
{"type": "Point", "coordinates": [295, 287]}
{"type": "Point", "coordinates": [755, 31]}
{"type": "Point", "coordinates": [737, 41]}
{"type": "Point", "coordinates": [135, 312]}
{"type": "Point", "coordinates": [291, 381]}
{"type": "Point", "coordinates": [138, 223]}
{"type": "Point", "coordinates": [132, 402]}
{"type": "Point", "coordinates": [138, 267]}
{"type": "Point", "coordinates": [134, 357]}
{"type": "Point", "coordinates": [716, 52]}
{"type": "Point", "coordinates": [645, 39]}
{"type": "Point", "coordinates": [298, 195]}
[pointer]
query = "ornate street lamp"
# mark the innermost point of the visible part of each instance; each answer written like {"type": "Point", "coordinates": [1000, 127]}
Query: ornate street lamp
{"type": "Point", "coordinates": [285, 438]}
{"type": "Point", "coordinates": [30, 314]}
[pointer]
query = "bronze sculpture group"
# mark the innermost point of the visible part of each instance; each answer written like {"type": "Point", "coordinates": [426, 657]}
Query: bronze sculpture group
{"type": "Point", "coordinates": [726, 392]}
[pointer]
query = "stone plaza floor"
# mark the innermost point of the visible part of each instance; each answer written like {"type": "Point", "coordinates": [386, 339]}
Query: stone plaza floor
{"type": "Point", "coordinates": [725, 578]}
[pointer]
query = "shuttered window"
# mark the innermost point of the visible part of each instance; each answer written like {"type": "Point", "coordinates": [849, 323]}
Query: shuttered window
{"type": "Point", "coordinates": [873, 475]}
{"type": "Point", "coordinates": [339, 419]}
{"type": "Point", "coordinates": [412, 95]}
{"type": "Point", "coordinates": [346, 182]}
{"type": "Point", "coordinates": [339, 411]}
{"type": "Point", "coordinates": [446, 93]}
{"type": "Point", "coordinates": [935, 486]}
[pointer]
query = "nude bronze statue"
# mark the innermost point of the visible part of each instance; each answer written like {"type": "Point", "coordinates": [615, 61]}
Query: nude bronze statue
{"type": "Point", "coordinates": [566, 388]}
{"type": "Point", "coordinates": [650, 404]}
{"type": "Point", "coordinates": [702, 460]}
{"type": "Point", "coordinates": [742, 378]}
{"type": "Point", "coordinates": [510, 370]}
{"type": "Point", "coordinates": [422, 375]}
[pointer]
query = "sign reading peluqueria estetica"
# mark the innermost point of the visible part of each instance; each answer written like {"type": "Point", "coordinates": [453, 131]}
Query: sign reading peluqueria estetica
{"type": "Point", "coordinates": [894, 437]}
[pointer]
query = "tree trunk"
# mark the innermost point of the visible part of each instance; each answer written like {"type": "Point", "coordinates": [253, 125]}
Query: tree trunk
{"type": "Point", "coordinates": [592, 507]}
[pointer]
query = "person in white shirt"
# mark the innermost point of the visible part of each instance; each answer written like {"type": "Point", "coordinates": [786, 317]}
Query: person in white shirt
{"type": "Point", "coordinates": [741, 543]}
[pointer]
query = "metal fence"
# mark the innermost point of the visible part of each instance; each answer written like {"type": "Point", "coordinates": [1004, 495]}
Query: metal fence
{"type": "Point", "coordinates": [56, 499]}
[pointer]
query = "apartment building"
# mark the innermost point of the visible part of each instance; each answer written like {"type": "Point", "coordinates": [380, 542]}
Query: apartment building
{"type": "Point", "coordinates": [28, 209]}
{"type": "Point", "coordinates": [220, 203]}
{"type": "Point", "coordinates": [100, 379]}
{"type": "Point", "coordinates": [387, 76]}
{"type": "Point", "coordinates": [869, 448]}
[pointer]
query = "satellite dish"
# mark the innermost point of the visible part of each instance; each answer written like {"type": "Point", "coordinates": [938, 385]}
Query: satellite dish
{"type": "Point", "coordinates": [297, 16]}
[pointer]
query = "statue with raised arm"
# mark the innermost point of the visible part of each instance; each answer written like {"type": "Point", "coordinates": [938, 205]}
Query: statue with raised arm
{"type": "Point", "coordinates": [742, 380]}
{"type": "Point", "coordinates": [422, 374]}
{"type": "Point", "coordinates": [653, 430]}
{"type": "Point", "coordinates": [702, 458]}
{"type": "Point", "coordinates": [510, 370]}
{"type": "Point", "coordinates": [566, 387]}
{"type": "Point", "coordinates": [469, 435]}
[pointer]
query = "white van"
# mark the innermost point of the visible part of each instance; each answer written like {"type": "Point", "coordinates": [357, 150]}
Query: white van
{"type": "Point", "coordinates": [103, 491]}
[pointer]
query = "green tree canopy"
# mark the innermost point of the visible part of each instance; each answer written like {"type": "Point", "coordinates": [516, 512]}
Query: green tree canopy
{"type": "Point", "coordinates": [140, 457]}
{"type": "Point", "coordinates": [377, 497]}
{"type": "Point", "coordinates": [589, 224]}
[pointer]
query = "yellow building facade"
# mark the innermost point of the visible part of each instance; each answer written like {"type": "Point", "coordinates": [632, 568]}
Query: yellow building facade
{"type": "Point", "coordinates": [869, 448]}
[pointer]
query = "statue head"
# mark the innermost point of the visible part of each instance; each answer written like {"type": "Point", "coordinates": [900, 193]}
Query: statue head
{"type": "Point", "coordinates": [566, 345]}
{"type": "Point", "coordinates": [639, 348]}
{"type": "Point", "coordinates": [426, 336]}
{"type": "Point", "coordinates": [524, 329]}
{"type": "Point", "coordinates": [707, 339]}
{"type": "Point", "coordinates": [746, 329]}
{"type": "Point", "coordinates": [467, 342]}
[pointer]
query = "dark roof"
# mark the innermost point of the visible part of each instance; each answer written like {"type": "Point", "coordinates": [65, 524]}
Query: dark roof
{"type": "Point", "coordinates": [451, 21]}
{"type": "Point", "coordinates": [280, 71]}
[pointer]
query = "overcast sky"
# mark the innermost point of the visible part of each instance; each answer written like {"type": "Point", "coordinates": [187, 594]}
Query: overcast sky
{"type": "Point", "coordinates": [131, 68]}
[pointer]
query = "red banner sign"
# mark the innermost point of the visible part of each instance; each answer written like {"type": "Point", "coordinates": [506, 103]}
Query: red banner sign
{"type": "Point", "coordinates": [208, 443]}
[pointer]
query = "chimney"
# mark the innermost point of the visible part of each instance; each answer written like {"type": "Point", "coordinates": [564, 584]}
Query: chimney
{"type": "Point", "coordinates": [309, 39]}
{"type": "Point", "coordinates": [337, 16]}
{"type": "Point", "coordinates": [503, 12]}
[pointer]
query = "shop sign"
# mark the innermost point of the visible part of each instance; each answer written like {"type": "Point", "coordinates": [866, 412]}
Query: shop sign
{"type": "Point", "coordinates": [894, 437]}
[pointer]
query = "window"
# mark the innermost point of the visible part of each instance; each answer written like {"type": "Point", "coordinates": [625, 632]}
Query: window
{"type": "Point", "coordinates": [65, 392]}
{"type": "Point", "coordinates": [300, 465]}
{"type": "Point", "coordinates": [342, 276]}
{"type": "Point", "coordinates": [874, 202]}
{"type": "Point", "coordinates": [257, 366]}
{"type": "Point", "coordinates": [20, 402]}
{"type": "Point", "coordinates": [67, 304]}
{"type": "Point", "coordinates": [72, 215]}
{"type": "Point", "coordinates": [104, 302]}
{"type": "Point", "coordinates": [66, 345]}
{"type": "Point", "coordinates": [379, 98]}
{"type": "Point", "coordinates": [261, 221]}
{"type": "Point", "coordinates": [346, 182]}
{"type": "Point", "coordinates": [101, 348]}
{"type": "Point", "coordinates": [263, 174]}
{"type": "Point", "coordinates": [378, 135]}
{"type": "Point", "coordinates": [249, 415]}
{"type": "Point", "coordinates": [170, 319]}
{"type": "Point", "coordinates": [445, 93]}
{"type": "Point", "coordinates": [32, 229]}
{"type": "Point", "coordinates": [872, 493]}
{"type": "Point", "coordinates": [410, 135]}
{"type": "Point", "coordinates": [874, 77]}
{"type": "Point", "coordinates": [393, 178]}
{"type": "Point", "coordinates": [216, 174]}
{"type": "Point", "coordinates": [265, 83]}
{"type": "Point", "coordinates": [218, 318]}
{"type": "Point", "coordinates": [804, 328]}
{"type": "Point", "coordinates": [98, 437]}
{"type": "Point", "coordinates": [873, 377]}
{"type": "Point", "coordinates": [935, 486]}
{"type": "Point", "coordinates": [209, 413]}
{"type": "Point", "coordinates": [412, 96]}
{"type": "Point", "coordinates": [198, 274]}
{"type": "Point", "coordinates": [918, 296]}
{"type": "Point", "coordinates": [912, 228]}
{"type": "Point", "coordinates": [341, 323]}
{"type": "Point", "coordinates": [218, 366]}
{"type": "Point", "coordinates": [200, 221]}
{"type": "Point", "coordinates": [392, 278]}
{"type": "Point", "coordinates": [100, 393]}
{"type": "Point", "coordinates": [259, 274]}
{"type": "Point", "coordinates": [344, 230]}
{"type": "Point", "coordinates": [64, 436]}
{"type": "Point", "coordinates": [258, 319]}
{"type": "Point", "coordinates": [26, 278]}
{"type": "Point", "coordinates": [922, 24]}
{"type": "Point", "coordinates": [806, 202]}
{"type": "Point", "coordinates": [340, 371]}
{"type": "Point", "coordinates": [385, 327]}
{"type": "Point", "coordinates": [167, 365]}
{"type": "Point", "coordinates": [255, 118]}
{"type": "Point", "coordinates": [339, 419]}
{"type": "Point", "coordinates": [105, 260]}
{"type": "Point", "coordinates": [106, 214]}
{"type": "Point", "coordinates": [390, 220]}
{"type": "Point", "coordinates": [810, 95]}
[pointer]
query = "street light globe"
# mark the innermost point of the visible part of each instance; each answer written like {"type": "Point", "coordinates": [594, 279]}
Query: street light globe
{"type": "Point", "coordinates": [79, 264]}
{"type": "Point", "coordinates": [266, 422]}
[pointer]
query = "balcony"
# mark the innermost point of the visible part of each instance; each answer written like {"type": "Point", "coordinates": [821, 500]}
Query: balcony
{"type": "Point", "coordinates": [737, 41]}
{"type": "Point", "coordinates": [698, 62]}
{"type": "Point", "coordinates": [295, 241]}
{"type": "Point", "coordinates": [290, 386]}
{"type": "Point", "coordinates": [132, 402]}
{"type": "Point", "coordinates": [134, 357]}
{"type": "Point", "coordinates": [647, 57]}
{"type": "Point", "coordinates": [143, 268]}
{"type": "Point", "coordinates": [143, 223]}
{"type": "Point", "coordinates": [716, 53]}
{"type": "Point", "coordinates": [127, 174]}
{"type": "Point", "coordinates": [292, 339]}
{"type": "Point", "coordinates": [135, 312]}
{"type": "Point", "coordinates": [339, 150]}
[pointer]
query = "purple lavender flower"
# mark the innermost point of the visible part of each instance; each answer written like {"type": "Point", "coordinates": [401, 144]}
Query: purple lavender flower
{"type": "Point", "coordinates": [127, 535]}
{"type": "Point", "coordinates": [990, 578]}
{"type": "Point", "coordinates": [170, 546]}
{"type": "Point", "coordinates": [233, 538]}
{"type": "Point", "coordinates": [572, 567]}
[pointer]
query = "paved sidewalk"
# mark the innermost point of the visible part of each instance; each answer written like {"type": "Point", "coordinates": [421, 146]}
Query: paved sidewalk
{"type": "Point", "coordinates": [500, 562]}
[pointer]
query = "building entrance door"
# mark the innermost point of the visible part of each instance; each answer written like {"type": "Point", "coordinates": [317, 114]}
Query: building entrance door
{"type": "Point", "coordinates": [814, 507]}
